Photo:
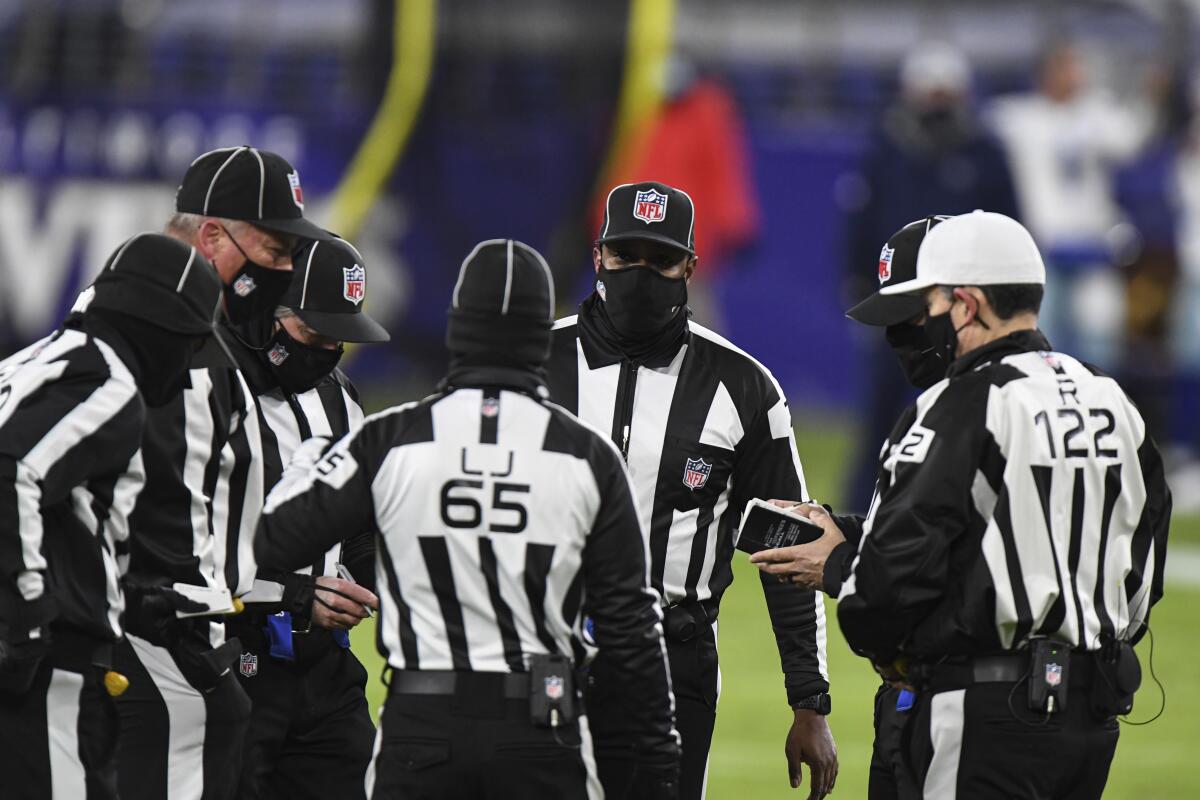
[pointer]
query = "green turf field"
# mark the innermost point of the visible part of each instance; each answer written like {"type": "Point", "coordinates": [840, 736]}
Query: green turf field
{"type": "Point", "coordinates": [747, 756]}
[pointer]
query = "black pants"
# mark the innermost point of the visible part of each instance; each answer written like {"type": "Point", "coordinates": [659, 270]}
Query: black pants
{"type": "Point", "coordinates": [58, 740]}
{"type": "Point", "coordinates": [180, 739]}
{"type": "Point", "coordinates": [890, 777]}
{"type": "Point", "coordinates": [966, 743]}
{"type": "Point", "coordinates": [694, 681]}
{"type": "Point", "coordinates": [311, 733]}
{"type": "Point", "coordinates": [475, 745]}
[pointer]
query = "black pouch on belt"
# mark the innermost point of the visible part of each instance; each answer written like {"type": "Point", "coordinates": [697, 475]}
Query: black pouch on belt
{"type": "Point", "coordinates": [204, 669]}
{"type": "Point", "coordinates": [1118, 677]}
{"type": "Point", "coordinates": [1049, 675]}
{"type": "Point", "coordinates": [552, 700]}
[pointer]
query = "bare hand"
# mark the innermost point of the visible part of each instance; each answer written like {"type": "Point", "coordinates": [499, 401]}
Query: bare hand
{"type": "Point", "coordinates": [333, 611]}
{"type": "Point", "coordinates": [803, 564]}
{"type": "Point", "coordinates": [810, 742]}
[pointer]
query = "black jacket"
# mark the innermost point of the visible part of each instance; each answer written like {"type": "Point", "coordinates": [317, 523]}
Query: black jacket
{"type": "Point", "coordinates": [999, 493]}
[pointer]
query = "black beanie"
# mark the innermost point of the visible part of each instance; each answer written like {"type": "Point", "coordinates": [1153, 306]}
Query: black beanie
{"type": "Point", "coordinates": [503, 304]}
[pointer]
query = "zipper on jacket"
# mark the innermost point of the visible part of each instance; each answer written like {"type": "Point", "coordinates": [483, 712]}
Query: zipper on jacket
{"type": "Point", "coordinates": [623, 416]}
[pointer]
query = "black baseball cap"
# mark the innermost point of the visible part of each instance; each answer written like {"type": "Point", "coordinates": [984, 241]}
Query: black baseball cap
{"type": "Point", "coordinates": [248, 184]}
{"type": "Point", "coordinates": [897, 264]}
{"type": "Point", "coordinates": [650, 210]}
{"type": "Point", "coordinates": [329, 285]}
{"type": "Point", "coordinates": [161, 280]}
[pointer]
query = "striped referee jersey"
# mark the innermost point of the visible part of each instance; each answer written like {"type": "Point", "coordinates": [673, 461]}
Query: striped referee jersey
{"type": "Point", "coordinates": [502, 520]}
{"type": "Point", "coordinates": [194, 521]}
{"type": "Point", "coordinates": [1021, 496]}
{"type": "Point", "coordinates": [70, 425]}
{"type": "Point", "coordinates": [703, 428]}
{"type": "Point", "coordinates": [329, 411]}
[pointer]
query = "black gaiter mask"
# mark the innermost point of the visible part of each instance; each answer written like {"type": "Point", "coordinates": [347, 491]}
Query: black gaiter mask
{"type": "Point", "coordinates": [639, 301]}
{"type": "Point", "coordinates": [922, 363]}
{"type": "Point", "coordinates": [297, 366]}
{"type": "Point", "coordinates": [255, 290]}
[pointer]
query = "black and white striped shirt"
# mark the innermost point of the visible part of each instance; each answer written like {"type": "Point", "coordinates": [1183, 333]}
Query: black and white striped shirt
{"type": "Point", "coordinates": [502, 520]}
{"type": "Point", "coordinates": [194, 521]}
{"type": "Point", "coordinates": [330, 411]}
{"type": "Point", "coordinates": [70, 427]}
{"type": "Point", "coordinates": [1021, 496]}
{"type": "Point", "coordinates": [703, 428]}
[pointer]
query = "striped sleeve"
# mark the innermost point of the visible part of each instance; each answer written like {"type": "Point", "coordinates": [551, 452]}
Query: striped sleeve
{"type": "Point", "coordinates": [768, 466]}
{"type": "Point", "coordinates": [83, 424]}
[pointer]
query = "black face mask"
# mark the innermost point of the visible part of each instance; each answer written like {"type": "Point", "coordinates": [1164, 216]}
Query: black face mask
{"type": "Point", "coordinates": [943, 336]}
{"type": "Point", "coordinates": [297, 366]}
{"type": "Point", "coordinates": [639, 301]}
{"type": "Point", "coordinates": [922, 363]}
{"type": "Point", "coordinates": [255, 290]}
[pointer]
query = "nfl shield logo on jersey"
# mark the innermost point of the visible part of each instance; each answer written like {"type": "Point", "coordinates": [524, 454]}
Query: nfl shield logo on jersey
{"type": "Point", "coordinates": [1053, 674]}
{"type": "Point", "coordinates": [885, 263]}
{"type": "Point", "coordinates": [554, 687]}
{"type": "Point", "coordinates": [695, 473]}
{"type": "Point", "coordinates": [249, 665]}
{"type": "Point", "coordinates": [354, 283]}
{"type": "Point", "coordinates": [650, 206]}
{"type": "Point", "coordinates": [297, 192]}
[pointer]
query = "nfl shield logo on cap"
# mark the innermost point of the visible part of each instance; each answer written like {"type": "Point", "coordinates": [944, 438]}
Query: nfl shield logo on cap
{"type": "Point", "coordinates": [885, 263]}
{"type": "Point", "coordinates": [354, 283]}
{"type": "Point", "coordinates": [297, 193]}
{"type": "Point", "coordinates": [650, 206]}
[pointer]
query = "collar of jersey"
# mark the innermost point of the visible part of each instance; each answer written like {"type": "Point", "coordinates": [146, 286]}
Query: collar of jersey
{"type": "Point", "coordinates": [1016, 342]}
{"type": "Point", "coordinates": [602, 348]}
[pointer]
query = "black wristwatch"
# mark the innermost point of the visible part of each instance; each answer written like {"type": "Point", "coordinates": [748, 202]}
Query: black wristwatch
{"type": "Point", "coordinates": [819, 703]}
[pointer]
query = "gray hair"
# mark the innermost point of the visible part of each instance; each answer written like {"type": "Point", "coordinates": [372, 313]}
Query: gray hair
{"type": "Point", "coordinates": [186, 226]}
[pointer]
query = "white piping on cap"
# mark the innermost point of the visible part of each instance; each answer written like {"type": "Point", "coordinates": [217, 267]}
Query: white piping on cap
{"type": "Point", "coordinates": [213, 182]}
{"type": "Point", "coordinates": [607, 214]}
{"type": "Point", "coordinates": [262, 180]}
{"type": "Point", "coordinates": [462, 270]}
{"type": "Point", "coordinates": [187, 268]}
{"type": "Point", "coordinates": [692, 225]}
{"type": "Point", "coordinates": [124, 247]}
{"type": "Point", "coordinates": [507, 279]}
{"type": "Point", "coordinates": [549, 276]}
{"type": "Point", "coordinates": [203, 156]}
{"type": "Point", "coordinates": [307, 274]}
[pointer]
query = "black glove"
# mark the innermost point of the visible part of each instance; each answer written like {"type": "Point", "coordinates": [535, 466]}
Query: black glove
{"type": "Point", "coordinates": [19, 664]}
{"type": "Point", "coordinates": [150, 612]}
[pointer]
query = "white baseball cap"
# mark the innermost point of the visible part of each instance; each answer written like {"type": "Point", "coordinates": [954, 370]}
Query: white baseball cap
{"type": "Point", "coordinates": [982, 248]}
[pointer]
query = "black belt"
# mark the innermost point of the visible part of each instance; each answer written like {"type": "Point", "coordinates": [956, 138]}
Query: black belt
{"type": "Point", "coordinates": [75, 651]}
{"type": "Point", "coordinates": [1008, 668]}
{"type": "Point", "coordinates": [512, 685]}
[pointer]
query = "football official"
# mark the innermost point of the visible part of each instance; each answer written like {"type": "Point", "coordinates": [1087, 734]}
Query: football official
{"type": "Point", "coordinates": [72, 407]}
{"type": "Point", "coordinates": [903, 319]}
{"type": "Point", "coordinates": [502, 522]}
{"type": "Point", "coordinates": [703, 428]}
{"type": "Point", "coordinates": [310, 728]}
{"type": "Point", "coordinates": [184, 718]}
{"type": "Point", "coordinates": [1016, 541]}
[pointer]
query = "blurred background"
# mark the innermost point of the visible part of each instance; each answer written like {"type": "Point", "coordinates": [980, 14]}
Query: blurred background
{"type": "Point", "coordinates": [807, 132]}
